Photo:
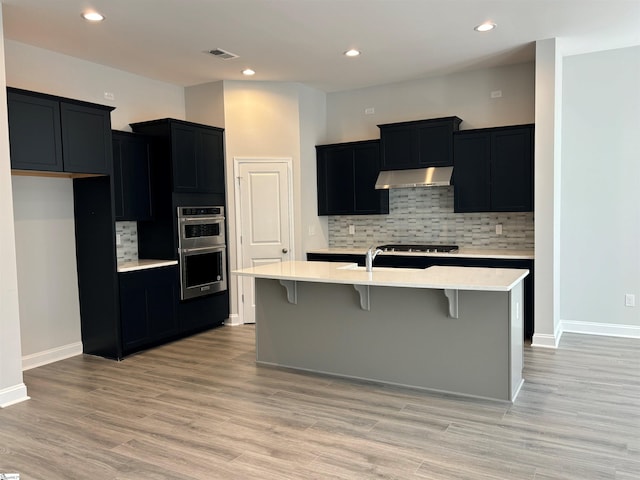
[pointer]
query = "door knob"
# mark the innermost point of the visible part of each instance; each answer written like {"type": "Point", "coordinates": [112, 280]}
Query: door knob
{"type": "Point", "coordinates": [284, 250]}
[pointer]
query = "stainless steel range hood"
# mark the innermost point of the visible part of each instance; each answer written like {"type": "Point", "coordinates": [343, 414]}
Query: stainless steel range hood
{"type": "Point", "coordinates": [417, 177]}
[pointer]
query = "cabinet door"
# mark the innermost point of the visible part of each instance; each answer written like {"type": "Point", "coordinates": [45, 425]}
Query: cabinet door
{"type": "Point", "coordinates": [162, 301]}
{"type": "Point", "coordinates": [132, 193]}
{"type": "Point", "coordinates": [435, 144]}
{"type": "Point", "coordinates": [368, 200]}
{"type": "Point", "coordinates": [398, 146]}
{"type": "Point", "coordinates": [148, 306]}
{"type": "Point", "coordinates": [512, 170]}
{"type": "Point", "coordinates": [335, 172]}
{"type": "Point", "coordinates": [471, 172]}
{"type": "Point", "coordinates": [34, 133]}
{"type": "Point", "coordinates": [134, 319]}
{"type": "Point", "coordinates": [86, 139]}
{"type": "Point", "coordinates": [210, 158]}
{"type": "Point", "coordinates": [184, 140]}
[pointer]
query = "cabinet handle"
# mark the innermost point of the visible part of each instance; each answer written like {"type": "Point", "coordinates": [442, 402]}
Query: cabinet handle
{"type": "Point", "coordinates": [284, 250]}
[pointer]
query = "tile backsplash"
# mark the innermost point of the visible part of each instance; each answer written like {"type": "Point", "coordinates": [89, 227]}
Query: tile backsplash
{"type": "Point", "coordinates": [127, 248]}
{"type": "Point", "coordinates": [425, 215]}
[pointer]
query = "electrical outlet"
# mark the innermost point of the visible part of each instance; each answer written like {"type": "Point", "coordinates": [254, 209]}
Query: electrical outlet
{"type": "Point", "coordinates": [496, 94]}
{"type": "Point", "coordinates": [312, 230]}
{"type": "Point", "coordinates": [109, 96]}
{"type": "Point", "coordinates": [629, 300]}
{"type": "Point", "coordinates": [352, 229]}
{"type": "Point", "coordinates": [369, 111]}
{"type": "Point", "coordinates": [498, 229]}
{"type": "Point", "coordinates": [118, 239]}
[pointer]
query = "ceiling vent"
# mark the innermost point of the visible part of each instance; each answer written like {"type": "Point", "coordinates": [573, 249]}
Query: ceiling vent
{"type": "Point", "coordinates": [218, 52]}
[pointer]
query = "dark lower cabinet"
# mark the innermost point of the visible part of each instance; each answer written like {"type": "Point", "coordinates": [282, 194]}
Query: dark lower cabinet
{"type": "Point", "coordinates": [148, 306]}
{"type": "Point", "coordinates": [131, 180]}
{"type": "Point", "coordinates": [49, 133]}
{"type": "Point", "coordinates": [400, 261]}
{"type": "Point", "coordinates": [203, 312]}
{"type": "Point", "coordinates": [493, 169]}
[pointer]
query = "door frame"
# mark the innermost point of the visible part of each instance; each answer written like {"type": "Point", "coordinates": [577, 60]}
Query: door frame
{"type": "Point", "coordinates": [237, 162]}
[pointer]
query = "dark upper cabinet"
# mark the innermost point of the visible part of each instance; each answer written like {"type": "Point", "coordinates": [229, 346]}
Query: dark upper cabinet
{"type": "Point", "coordinates": [418, 144]}
{"type": "Point", "coordinates": [347, 174]}
{"type": "Point", "coordinates": [197, 154]}
{"type": "Point", "coordinates": [49, 133]}
{"type": "Point", "coordinates": [35, 135]}
{"type": "Point", "coordinates": [493, 169]}
{"type": "Point", "coordinates": [131, 181]}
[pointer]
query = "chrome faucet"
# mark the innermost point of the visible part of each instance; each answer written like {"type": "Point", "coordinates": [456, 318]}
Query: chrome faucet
{"type": "Point", "coordinates": [372, 253]}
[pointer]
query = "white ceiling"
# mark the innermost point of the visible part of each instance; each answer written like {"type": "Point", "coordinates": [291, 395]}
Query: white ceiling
{"type": "Point", "coordinates": [303, 40]}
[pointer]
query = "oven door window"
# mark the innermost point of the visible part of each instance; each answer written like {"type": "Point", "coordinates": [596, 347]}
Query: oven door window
{"type": "Point", "coordinates": [203, 268]}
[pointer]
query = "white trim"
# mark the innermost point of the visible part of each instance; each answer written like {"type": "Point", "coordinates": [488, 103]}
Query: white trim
{"type": "Point", "coordinates": [544, 340]}
{"type": "Point", "coordinates": [237, 161]}
{"type": "Point", "coordinates": [12, 395]}
{"type": "Point", "coordinates": [607, 329]}
{"type": "Point", "coordinates": [233, 320]}
{"type": "Point", "coordinates": [52, 355]}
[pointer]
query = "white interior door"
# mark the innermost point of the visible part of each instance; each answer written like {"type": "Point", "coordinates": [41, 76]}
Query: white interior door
{"type": "Point", "coordinates": [265, 219]}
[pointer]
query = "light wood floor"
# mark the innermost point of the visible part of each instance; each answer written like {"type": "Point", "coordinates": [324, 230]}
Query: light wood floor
{"type": "Point", "coordinates": [201, 409]}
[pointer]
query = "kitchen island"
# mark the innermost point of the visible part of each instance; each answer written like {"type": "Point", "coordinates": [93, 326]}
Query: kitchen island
{"type": "Point", "coordinates": [447, 329]}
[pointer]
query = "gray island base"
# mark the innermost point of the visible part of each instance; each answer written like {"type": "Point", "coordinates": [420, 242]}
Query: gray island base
{"type": "Point", "coordinates": [406, 337]}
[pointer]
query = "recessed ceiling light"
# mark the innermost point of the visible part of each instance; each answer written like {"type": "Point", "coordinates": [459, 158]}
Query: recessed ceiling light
{"type": "Point", "coordinates": [93, 16]}
{"type": "Point", "coordinates": [485, 27]}
{"type": "Point", "coordinates": [248, 72]}
{"type": "Point", "coordinates": [352, 53]}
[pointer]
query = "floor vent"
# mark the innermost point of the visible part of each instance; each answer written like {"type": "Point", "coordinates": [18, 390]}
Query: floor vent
{"type": "Point", "coordinates": [217, 52]}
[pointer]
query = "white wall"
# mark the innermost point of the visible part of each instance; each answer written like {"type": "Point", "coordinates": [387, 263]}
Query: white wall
{"type": "Point", "coordinates": [466, 95]}
{"type": "Point", "coordinates": [205, 103]}
{"type": "Point", "coordinates": [273, 120]}
{"type": "Point", "coordinates": [12, 389]}
{"type": "Point", "coordinates": [600, 229]}
{"type": "Point", "coordinates": [547, 192]}
{"type": "Point", "coordinates": [44, 228]}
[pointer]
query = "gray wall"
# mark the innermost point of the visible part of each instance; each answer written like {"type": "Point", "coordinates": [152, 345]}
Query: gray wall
{"type": "Point", "coordinates": [600, 207]}
{"type": "Point", "coordinates": [466, 95]}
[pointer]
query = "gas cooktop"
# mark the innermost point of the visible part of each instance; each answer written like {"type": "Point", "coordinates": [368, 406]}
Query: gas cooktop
{"type": "Point", "coordinates": [419, 248]}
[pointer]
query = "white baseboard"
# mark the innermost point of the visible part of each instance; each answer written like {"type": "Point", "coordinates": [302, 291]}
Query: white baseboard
{"type": "Point", "coordinates": [49, 356]}
{"type": "Point", "coordinates": [606, 329]}
{"type": "Point", "coordinates": [234, 319]}
{"type": "Point", "coordinates": [545, 340]}
{"type": "Point", "coordinates": [12, 395]}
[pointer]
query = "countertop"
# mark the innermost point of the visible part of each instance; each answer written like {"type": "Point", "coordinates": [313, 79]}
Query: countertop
{"type": "Point", "coordinates": [463, 252]}
{"type": "Point", "coordinates": [454, 278]}
{"type": "Point", "coordinates": [134, 265]}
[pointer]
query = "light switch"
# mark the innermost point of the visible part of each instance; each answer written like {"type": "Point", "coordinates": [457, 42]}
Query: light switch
{"type": "Point", "coordinates": [629, 300]}
{"type": "Point", "coordinates": [118, 239]}
{"type": "Point", "coordinates": [352, 229]}
{"type": "Point", "coordinates": [499, 229]}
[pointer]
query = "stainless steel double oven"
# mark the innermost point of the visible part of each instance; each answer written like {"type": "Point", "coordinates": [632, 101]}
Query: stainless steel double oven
{"type": "Point", "coordinates": [202, 251]}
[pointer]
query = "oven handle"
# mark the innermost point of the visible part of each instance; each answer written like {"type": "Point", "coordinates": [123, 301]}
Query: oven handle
{"type": "Point", "coordinates": [203, 249]}
{"type": "Point", "coordinates": [202, 219]}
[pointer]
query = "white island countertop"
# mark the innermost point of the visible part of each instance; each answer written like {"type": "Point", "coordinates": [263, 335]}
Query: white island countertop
{"type": "Point", "coordinates": [455, 278]}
